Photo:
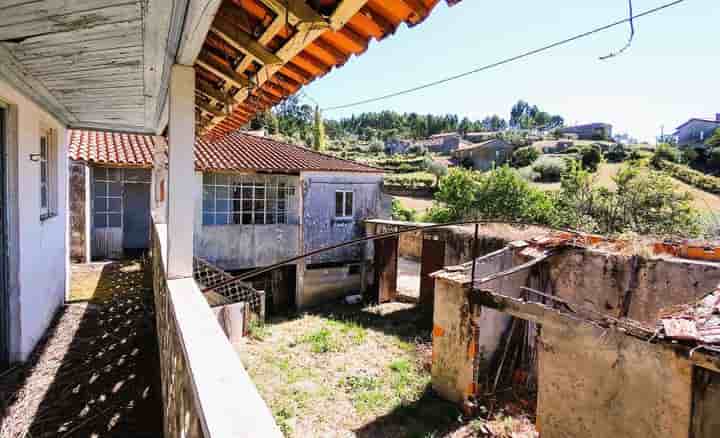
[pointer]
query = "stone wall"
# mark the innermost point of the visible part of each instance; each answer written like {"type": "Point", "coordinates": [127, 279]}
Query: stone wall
{"type": "Point", "coordinates": [597, 383]}
{"type": "Point", "coordinates": [77, 206]}
{"type": "Point", "coordinates": [630, 286]}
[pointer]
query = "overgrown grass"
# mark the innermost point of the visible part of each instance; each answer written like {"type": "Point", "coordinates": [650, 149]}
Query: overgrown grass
{"type": "Point", "coordinates": [335, 336]}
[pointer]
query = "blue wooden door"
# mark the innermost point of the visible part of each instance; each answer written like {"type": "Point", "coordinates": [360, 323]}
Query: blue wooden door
{"type": "Point", "coordinates": [136, 216]}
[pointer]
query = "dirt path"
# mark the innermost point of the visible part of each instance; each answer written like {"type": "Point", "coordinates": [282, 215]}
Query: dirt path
{"type": "Point", "coordinates": [95, 374]}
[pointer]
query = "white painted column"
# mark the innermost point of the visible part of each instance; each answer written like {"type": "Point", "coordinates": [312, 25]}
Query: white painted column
{"type": "Point", "coordinates": [181, 172]}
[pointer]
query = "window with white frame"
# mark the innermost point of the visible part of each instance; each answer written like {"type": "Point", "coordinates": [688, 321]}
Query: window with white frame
{"type": "Point", "coordinates": [343, 204]}
{"type": "Point", "coordinates": [246, 199]}
{"type": "Point", "coordinates": [107, 201]}
{"type": "Point", "coordinates": [48, 174]}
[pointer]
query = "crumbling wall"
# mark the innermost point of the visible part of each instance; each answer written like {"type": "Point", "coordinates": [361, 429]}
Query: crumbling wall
{"type": "Point", "coordinates": [597, 384]}
{"type": "Point", "coordinates": [410, 243]}
{"type": "Point", "coordinates": [629, 286]}
{"type": "Point", "coordinates": [78, 204]}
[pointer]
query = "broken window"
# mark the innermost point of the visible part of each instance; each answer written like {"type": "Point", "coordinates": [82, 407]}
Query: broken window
{"type": "Point", "coordinates": [343, 204]}
{"type": "Point", "coordinates": [245, 199]}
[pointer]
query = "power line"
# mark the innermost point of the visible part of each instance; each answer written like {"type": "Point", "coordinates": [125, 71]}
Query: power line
{"type": "Point", "coordinates": [508, 60]}
{"type": "Point", "coordinates": [630, 39]}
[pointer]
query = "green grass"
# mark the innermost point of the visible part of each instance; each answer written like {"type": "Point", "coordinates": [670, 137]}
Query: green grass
{"type": "Point", "coordinates": [334, 336]}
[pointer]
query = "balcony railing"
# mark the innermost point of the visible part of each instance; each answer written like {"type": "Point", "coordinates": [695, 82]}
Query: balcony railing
{"type": "Point", "coordinates": [205, 389]}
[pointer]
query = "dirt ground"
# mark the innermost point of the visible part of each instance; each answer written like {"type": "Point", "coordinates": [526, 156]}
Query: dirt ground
{"type": "Point", "coordinates": [420, 205]}
{"type": "Point", "coordinates": [96, 372]}
{"type": "Point", "coordinates": [360, 371]}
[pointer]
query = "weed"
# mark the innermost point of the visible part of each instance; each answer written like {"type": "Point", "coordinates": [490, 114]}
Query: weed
{"type": "Point", "coordinates": [258, 330]}
{"type": "Point", "coordinates": [284, 417]}
{"type": "Point", "coordinates": [321, 341]}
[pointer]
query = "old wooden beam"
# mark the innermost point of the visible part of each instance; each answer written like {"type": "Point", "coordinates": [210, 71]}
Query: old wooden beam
{"type": "Point", "coordinates": [243, 42]}
{"type": "Point", "coordinates": [208, 108]}
{"type": "Point", "coordinates": [344, 12]}
{"type": "Point", "coordinates": [296, 12]}
{"type": "Point", "coordinates": [229, 75]}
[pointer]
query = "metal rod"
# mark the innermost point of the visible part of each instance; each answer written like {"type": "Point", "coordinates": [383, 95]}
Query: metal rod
{"type": "Point", "coordinates": [514, 269]}
{"type": "Point", "coordinates": [474, 252]}
{"type": "Point", "coordinates": [260, 271]}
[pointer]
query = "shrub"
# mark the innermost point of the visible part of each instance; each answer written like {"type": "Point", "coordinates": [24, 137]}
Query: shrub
{"type": "Point", "coordinates": [639, 154]}
{"type": "Point", "coordinates": [690, 155]}
{"type": "Point", "coordinates": [402, 213]}
{"type": "Point", "coordinates": [549, 169]}
{"type": "Point", "coordinates": [664, 152]}
{"type": "Point", "coordinates": [714, 159]}
{"type": "Point", "coordinates": [529, 174]}
{"type": "Point", "coordinates": [572, 150]}
{"type": "Point", "coordinates": [438, 170]}
{"type": "Point", "coordinates": [376, 146]}
{"type": "Point", "coordinates": [616, 153]}
{"type": "Point", "coordinates": [406, 168]}
{"type": "Point", "coordinates": [693, 177]}
{"type": "Point", "coordinates": [524, 156]}
{"type": "Point", "coordinates": [457, 190]}
{"type": "Point", "coordinates": [590, 157]}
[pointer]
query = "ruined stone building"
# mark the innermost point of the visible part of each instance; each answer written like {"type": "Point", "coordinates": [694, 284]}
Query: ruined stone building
{"type": "Point", "coordinates": [257, 202]}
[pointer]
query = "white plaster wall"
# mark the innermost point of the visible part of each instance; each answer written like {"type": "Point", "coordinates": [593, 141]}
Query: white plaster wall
{"type": "Point", "coordinates": [38, 250]}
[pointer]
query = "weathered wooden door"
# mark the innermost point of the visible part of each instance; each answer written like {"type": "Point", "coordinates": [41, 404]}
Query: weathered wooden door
{"type": "Point", "coordinates": [433, 259]}
{"type": "Point", "coordinates": [136, 216]}
{"type": "Point", "coordinates": [386, 255]}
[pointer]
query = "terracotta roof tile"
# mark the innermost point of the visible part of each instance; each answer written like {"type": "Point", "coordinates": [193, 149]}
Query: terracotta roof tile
{"type": "Point", "coordinates": [111, 148]}
{"type": "Point", "coordinates": [237, 151]}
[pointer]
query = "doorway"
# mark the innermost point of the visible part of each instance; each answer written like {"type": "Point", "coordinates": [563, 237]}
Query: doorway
{"type": "Point", "coordinates": [4, 290]}
{"type": "Point", "coordinates": [136, 217]}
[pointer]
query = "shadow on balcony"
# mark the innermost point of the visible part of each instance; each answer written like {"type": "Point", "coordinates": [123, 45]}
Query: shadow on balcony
{"type": "Point", "coordinates": [96, 371]}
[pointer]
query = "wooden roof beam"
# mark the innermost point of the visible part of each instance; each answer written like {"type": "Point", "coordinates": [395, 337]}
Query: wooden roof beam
{"type": "Point", "coordinates": [208, 90]}
{"type": "Point", "coordinates": [417, 7]}
{"type": "Point", "coordinates": [344, 12]}
{"type": "Point", "coordinates": [296, 12]}
{"type": "Point", "coordinates": [240, 40]}
{"type": "Point", "coordinates": [227, 74]}
{"type": "Point", "coordinates": [208, 108]}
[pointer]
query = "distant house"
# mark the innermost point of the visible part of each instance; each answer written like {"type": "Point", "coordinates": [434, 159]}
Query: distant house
{"type": "Point", "coordinates": [444, 143]}
{"type": "Point", "coordinates": [590, 131]}
{"type": "Point", "coordinates": [479, 137]}
{"type": "Point", "coordinates": [397, 146]}
{"type": "Point", "coordinates": [695, 132]}
{"type": "Point", "coordinates": [257, 202]}
{"type": "Point", "coordinates": [484, 155]}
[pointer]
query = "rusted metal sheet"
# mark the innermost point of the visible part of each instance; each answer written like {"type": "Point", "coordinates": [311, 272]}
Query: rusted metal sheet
{"type": "Point", "coordinates": [680, 329]}
{"type": "Point", "coordinates": [386, 253]}
{"type": "Point", "coordinates": [433, 259]}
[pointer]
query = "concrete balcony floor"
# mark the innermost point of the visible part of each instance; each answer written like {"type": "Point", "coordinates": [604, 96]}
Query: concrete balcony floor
{"type": "Point", "coordinates": [96, 372]}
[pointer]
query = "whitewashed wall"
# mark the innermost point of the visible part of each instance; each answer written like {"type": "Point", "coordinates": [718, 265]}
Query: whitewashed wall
{"type": "Point", "coordinates": [38, 250]}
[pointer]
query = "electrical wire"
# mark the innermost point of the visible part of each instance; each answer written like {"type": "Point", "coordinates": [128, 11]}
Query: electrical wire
{"type": "Point", "coordinates": [630, 39]}
{"type": "Point", "coordinates": [509, 60]}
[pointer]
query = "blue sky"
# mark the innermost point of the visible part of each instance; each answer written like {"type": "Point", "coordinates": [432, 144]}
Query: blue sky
{"type": "Point", "coordinates": [671, 72]}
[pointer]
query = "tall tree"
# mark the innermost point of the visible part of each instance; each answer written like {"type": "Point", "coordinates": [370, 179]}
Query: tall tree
{"type": "Point", "coordinates": [318, 131]}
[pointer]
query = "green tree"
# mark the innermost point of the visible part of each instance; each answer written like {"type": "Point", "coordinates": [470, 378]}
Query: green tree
{"type": "Point", "coordinates": [524, 156]}
{"type": "Point", "coordinates": [437, 169]}
{"type": "Point", "coordinates": [318, 131]}
{"type": "Point", "coordinates": [714, 140]}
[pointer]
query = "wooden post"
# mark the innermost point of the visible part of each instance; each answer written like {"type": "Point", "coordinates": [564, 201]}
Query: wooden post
{"type": "Point", "coordinates": [386, 254]}
{"type": "Point", "coordinates": [181, 172]}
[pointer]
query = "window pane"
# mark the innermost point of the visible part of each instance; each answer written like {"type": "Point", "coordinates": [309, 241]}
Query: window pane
{"type": "Point", "coordinates": [247, 192]}
{"type": "Point", "coordinates": [208, 178]}
{"type": "Point", "coordinates": [281, 205]}
{"type": "Point", "coordinates": [115, 189]}
{"type": "Point", "coordinates": [259, 218]}
{"type": "Point", "coordinates": [222, 179]}
{"type": "Point", "coordinates": [100, 221]}
{"type": "Point", "coordinates": [222, 206]}
{"type": "Point", "coordinates": [281, 219]}
{"type": "Point", "coordinates": [271, 205]}
{"type": "Point", "coordinates": [259, 192]}
{"type": "Point", "coordinates": [247, 218]}
{"type": "Point", "coordinates": [208, 219]}
{"type": "Point", "coordinates": [101, 189]}
{"type": "Point", "coordinates": [100, 173]}
{"type": "Point", "coordinates": [222, 192]}
{"type": "Point", "coordinates": [114, 220]}
{"type": "Point", "coordinates": [114, 174]}
{"type": "Point", "coordinates": [259, 206]}
{"type": "Point", "coordinates": [348, 203]}
{"type": "Point", "coordinates": [237, 218]}
{"type": "Point", "coordinates": [271, 218]}
{"type": "Point", "coordinates": [114, 204]}
{"type": "Point", "coordinates": [247, 206]}
{"type": "Point", "coordinates": [338, 204]}
{"type": "Point", "coordinates": [43, 197]}
{"type": "Point", "coordinates": [209, 205]}
{"type": "Point", "coordinates": [235, 206]}
{"type": "Point", "coordinates": [100, 204]}
{"type": "Point", "coordinates": [221, 219]}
